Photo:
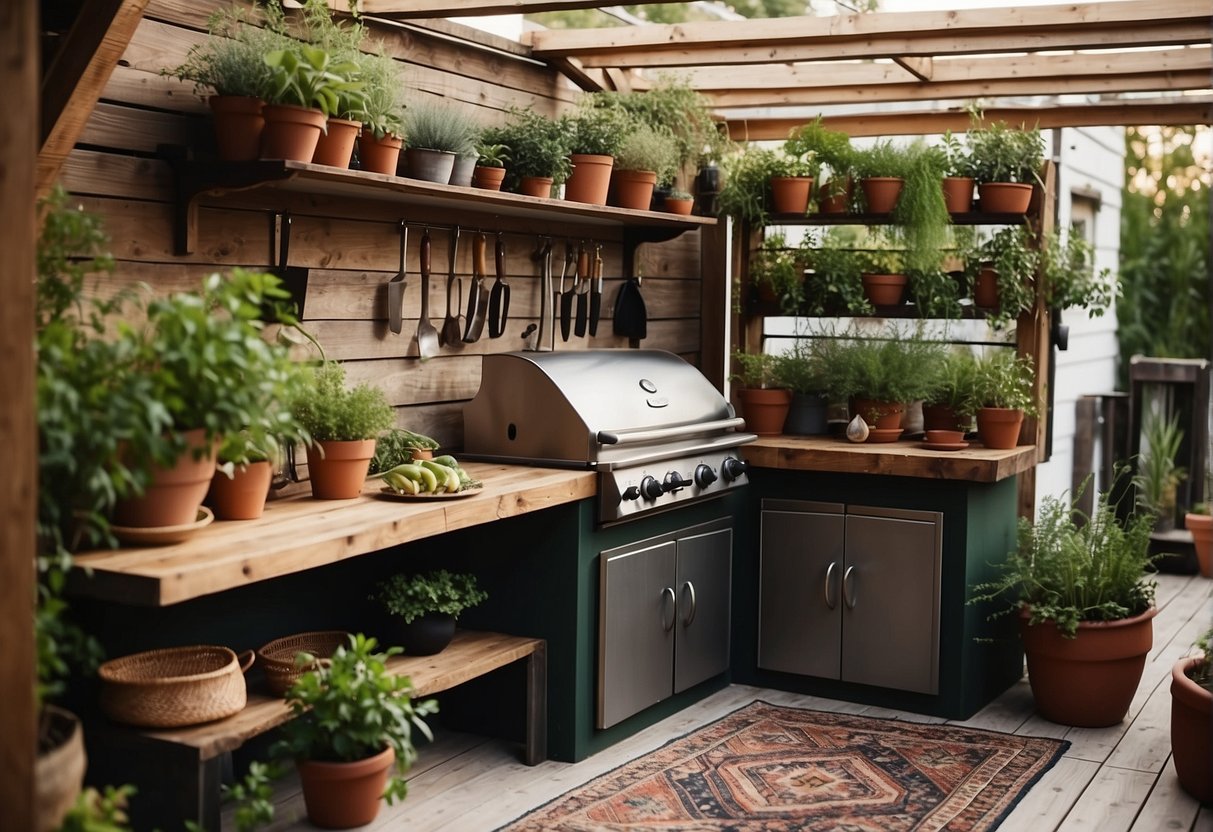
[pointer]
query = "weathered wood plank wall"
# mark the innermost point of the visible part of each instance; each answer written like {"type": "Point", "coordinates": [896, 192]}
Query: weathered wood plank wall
{"type": "Point", "coordinates": [350, 247]}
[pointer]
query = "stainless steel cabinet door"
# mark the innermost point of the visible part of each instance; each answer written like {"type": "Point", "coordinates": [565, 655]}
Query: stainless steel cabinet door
{"type": "Point", "coordinates": [636, 626]}
{"type": "Point", "coordinates": [705, 566]}
{"type": "Point", "coordinates": [800, 608]}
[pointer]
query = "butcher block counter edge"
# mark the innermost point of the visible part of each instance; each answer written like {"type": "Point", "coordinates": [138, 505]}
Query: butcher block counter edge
{"type": "Point", "coordinates": [299, 533]}
{"type": "Point", "coordinates": [903, 459]}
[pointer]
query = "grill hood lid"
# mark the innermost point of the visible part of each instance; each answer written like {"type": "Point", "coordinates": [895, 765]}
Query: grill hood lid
{"type": "Point", "coordinates": [551, 406]}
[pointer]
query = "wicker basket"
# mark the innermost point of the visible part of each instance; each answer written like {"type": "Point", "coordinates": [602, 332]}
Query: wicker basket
{"type": "Point", "coordinates": [277, 658]}
{"type": "Point", "coordinates": [174, 687]}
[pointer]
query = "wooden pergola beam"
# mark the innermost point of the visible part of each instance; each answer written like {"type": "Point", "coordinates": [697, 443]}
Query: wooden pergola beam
{"type": "Point", "coordinates": [406, 9]}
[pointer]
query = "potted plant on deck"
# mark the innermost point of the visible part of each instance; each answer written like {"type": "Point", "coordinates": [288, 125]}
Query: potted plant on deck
{"type": "Point", "coordinates": [1158, 476]}
{"type": "Point", "coordinates": [425, 607]}
{"type": "Point", "coordinates": [352, 734]}
{"type": "Point", "coordinates": [1191, 715]}
{"type": "Point", "coordinates": [1084, 607]}
{"type": "Point", "coordinates": [764, 402]}
{"type": "Point", "coordinates": [1002, 397]}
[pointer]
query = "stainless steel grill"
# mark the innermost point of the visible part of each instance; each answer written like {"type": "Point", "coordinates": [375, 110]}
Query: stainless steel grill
{"type": "Point", "coordinates": [658, 433]}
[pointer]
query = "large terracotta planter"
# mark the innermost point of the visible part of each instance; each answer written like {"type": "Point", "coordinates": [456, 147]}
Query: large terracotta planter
{"type": "Point", "coordinates": [344, 795]}
{"type": "Point", "coordinates": [998, 427]}
{"type": "Point", "coordinates": [242, 495]}
{"type": "Point", "coordinates": [790, 194]}
{"type": "Point", "coordinates": [291, 132]}
{"type": "Point", "coordinates": [881, 193]}
{"type": "Point", "coordinates": [1191, 731]}
{"type": "Point", "coordinates": [1004, 197]}
{"type": "Point", "coordinates": [58, 771]}
{"type": "Point", "coordinates": [884, 289]}
{"type": "Point", "coordinates": [173, 496]}
{"type": "Point", "coordinates": [1201, 527]}
{"type": "Point", "coordinates": [338, 469]}
{"type": "Point", "coordinates": [880, 415]}
{"type": "Point", "coordinates": [238, 126]}
{"type": "Point", "coordinates": [427, 635]}
{"type": "Point", "coordinates": [590, 180]}
{"type": "Point", "coordinates": [1088, 681]}
{"type": "Point", "coordinates": [540, 186]}
{"type": "Point", "coordinates": [765, 409]}
{"type": "Point", "coordinates": [336, 145]}
{"type": "Point", "coordinates": [633, 189]}
{"type": "Point", "coordinates": [487, 178]}
{"type": "Point", "coordinates": [379, 154]}
{"type": "Point", "coordinates": [958, 194]}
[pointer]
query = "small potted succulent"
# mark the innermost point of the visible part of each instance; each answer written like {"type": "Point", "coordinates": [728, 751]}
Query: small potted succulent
{"type": "Point", "coordinates": [489, 172]}
{"type": "Point", "coordinates": [764, 401]}
{"type": "Point", "coordinates": [1002, 396]}
{"type": "Point", "coordinates": [1191, 713]}
{"type": "Point", "coordinates": [645, 157]}
{"type": "Point", "coordinates": [426, 606]}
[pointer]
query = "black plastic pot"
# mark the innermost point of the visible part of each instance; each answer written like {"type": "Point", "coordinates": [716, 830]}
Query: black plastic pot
{"type": "Point", "coordinates": [427, 635]}
{"type": "Point", "coordinates": [807, 417]}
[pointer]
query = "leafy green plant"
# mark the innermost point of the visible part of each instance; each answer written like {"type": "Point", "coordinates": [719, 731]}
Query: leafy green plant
{"type": "Point", "coordinates": [412, 596]}
{"type": "Point", "coordinates": [936, 293]}
{"type": "Point", "coordinates": [901, 367]}
{"type": "Point", "coordinates": [822, 146]}
{"type": "Point", "coordinates": [1004, 379]}
{"type": "Point", "coordinates": [745, 193]}
{"type": "Point", "coordinates": [1158, 476]}
{"type": "Point", "coordinates": [491, 155]}
{"type": "Point", "coordinates": [1069, 276]}
{"type": "Point", "coordinates": [881, 158]}
{"type": "Point", "coordinates": [538, 146]}
{"type": "Point", "coordinates": [920, 212]}
{"type": "Point", "coordinates": [957, 158]}
{"type": "Point", "coordinates": [1068, 568]}
{"type": "Point", "coordinates": [958, 382]}
{"type": "Point", "coordinates": [1010, 252]}
{"type": "Point", "coordinates": [781, 269]}
{"type": "Point", "coordinates": [648, 148]}
{"type": "Point", "coordinates": [383, 104]}
{"type": "Point", "coordinates": [755, 370]}
{"type": "Point", "coordinates": [352, 707]}
{"type": "Point", "coordinates": [436, 124]}
{"type": "Point", "coordinates": [596, 130]}
{"type": "Point", "coordinates": [101, 810]}
{"type": "Point", "coordinates": [306, 76]}
{"type": "Point", "coordinates": [799, 369]}
{"type": "Point", "coordinates": [329, 411]}
{"type": "Point", "coordinates": [676, 193]}
{"type": "Point", "coordinates": [253, 796]}
{"type": "Point", "coordinates": [1003, 154]}
{"type": "Point", "coordinates": [231, 60]}
{"type": "Point", "coordinates": [837, 277]}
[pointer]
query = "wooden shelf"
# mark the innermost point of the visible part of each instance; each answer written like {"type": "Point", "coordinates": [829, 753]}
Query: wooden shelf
{"type": "Point", "coordinates": [299, 533]}
{"type": "Point", "coordinates": [195, 180]}
{"type": "Point", "coordinates": [903, 459]}
{"type": "Point", "coordinates": [967, 218]}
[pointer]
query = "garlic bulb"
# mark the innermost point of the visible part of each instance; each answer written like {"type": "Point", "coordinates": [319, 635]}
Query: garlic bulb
{"type": "Point", "coordinates": [857, 430]}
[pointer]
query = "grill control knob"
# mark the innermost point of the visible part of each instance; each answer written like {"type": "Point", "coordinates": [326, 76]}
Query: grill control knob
{"type": "Point", "coordinates": [650, 489]}
{"type": "Point", "coordinates": [704, 475]}
{"type": "Point", "coordinates": [674, 481]}
{"type": "Point", "coordinates": [632, 492]}
{"type": "Point", "coordinates": [732, 468]}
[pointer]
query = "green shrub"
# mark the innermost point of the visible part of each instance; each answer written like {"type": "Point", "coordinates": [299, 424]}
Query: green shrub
{"type": "Point", "coordinates": [902, 367]}
{"type": "Point", "coordinates": [329, 411]}
{"type": "Point", "coordinates": [412, 596]}
{"type": "Point", "coordinates": [647, 148]}
{"type": "Point", "coordinates": [1004, 379]}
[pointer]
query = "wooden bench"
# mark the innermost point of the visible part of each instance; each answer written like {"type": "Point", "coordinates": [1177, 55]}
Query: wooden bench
{"type": "Point", "coordinates": [187, 760]}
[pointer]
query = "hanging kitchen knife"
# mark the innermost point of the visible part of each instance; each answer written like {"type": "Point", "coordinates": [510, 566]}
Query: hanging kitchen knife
{"type": "Point", "coordinates": [582, 288]}
{"type": "Point", "coordinates": [566, 297]}
{"type": "Point", "coordinates": [596, 290]}
{"type": "Point", "coordinates": [477, 301]}
{"type": "Point", "coordinates": [499, 296]}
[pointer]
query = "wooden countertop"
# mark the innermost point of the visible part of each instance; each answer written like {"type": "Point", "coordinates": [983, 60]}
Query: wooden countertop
{"type": "Point", "coordinates": [904, 459]}
{"type": "Point", "coordinates": [298, 533]}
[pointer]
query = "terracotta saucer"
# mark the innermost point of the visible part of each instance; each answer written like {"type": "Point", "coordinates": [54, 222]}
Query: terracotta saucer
{"type": "Point", "coordinates": [163, 535]}
{"type": "Point", "coordinates": [876, 435]}
{"type": "Point", "coordinates": [945, 446]}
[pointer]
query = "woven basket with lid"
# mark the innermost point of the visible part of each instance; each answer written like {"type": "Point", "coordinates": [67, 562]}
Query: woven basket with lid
{"type": "Point", "coordinates": [175, 686]}
{"type": "Point", "coordinates": [277, 658]}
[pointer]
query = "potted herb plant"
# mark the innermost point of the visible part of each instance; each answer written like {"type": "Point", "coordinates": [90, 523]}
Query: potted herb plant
{"type": "Point", "coordinates": [679, 202]}
{"type": "Point", "coordinates": [304, 90]}
{"type": "Point", "coordinates": [880, 169]}
{"type": "Point", "coordinates": [827, 148]}
{"type": "Point", "coordinates": [382, 133]}
{"type": "Point", "coordinates": [436, 132]}
{"type": "Point", "coordinates": [645, 157]}
{"type": "Point", "coordinates": [1158, 476]}
{"type": "Point", "coordinates": [539, 151]}
{"type": "Point", "coordinates": [884, 277]}
{"type": "Point", "coordinates": [792, 182]}
{"type": "Point", "coordinates": [764, 402]}
{"type": "Point", "coordinates": [950, 407]}
{"type": "Point", "coordinates": [595, 134]}
{"type": "Point", "coordinates": [352, 734]}
{"type": "Point", "coordinates": [426, 606]}
{"type": "Point", "coordinates": [957, 182]}
{"type": "Point", "coordinates": [745, 194]}
{"type": "Point", "coordinates": [800, 371]}
{"type": "Point", "coordinates": [489, 172]}
{"type": "Point", "coordinates": [1085, 608]}
{"type": "Point", "coordinates": [777, 272]}
{"type": "Point", "coordinates": [1006, 162]}
{"type": "Point", "coordinates": [343, 424]}
{"type": "Point", "coordinates": [1002, 396]}
{"type": "Point", "coordinates": [1005, 285]}
{"type": "Point", "coordinates": [1191, 712]}
{"type": "Point", "coordinates": [836, 280]}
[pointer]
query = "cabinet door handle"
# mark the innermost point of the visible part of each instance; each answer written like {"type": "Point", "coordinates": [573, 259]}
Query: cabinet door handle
{"type": "Point", "coordinates": [831, 601]}
{"type": "Point", "coordinates": [689, 587]}
{"type": "Point", "coordinates": [668, 608]}
{"type": "Point", "coordinates": [848, 587]}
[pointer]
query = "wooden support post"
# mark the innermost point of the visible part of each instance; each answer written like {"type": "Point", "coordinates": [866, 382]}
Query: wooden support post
{"type": "Point", "coordinates": [714, 310]}
{"type": "Point", "coordinates": [1086, 425]}
{"type": "Point", "coordinates": [537, 706]}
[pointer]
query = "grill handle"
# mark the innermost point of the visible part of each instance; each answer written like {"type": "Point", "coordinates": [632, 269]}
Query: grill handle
{"type": "Point", "coordinates": [626, 437]}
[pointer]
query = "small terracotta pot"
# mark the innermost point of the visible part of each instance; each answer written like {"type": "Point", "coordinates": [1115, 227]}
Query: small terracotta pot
{"type": "Point", "coordinates": [430, 165]}
{"type": "Point", "coordinates": [765, 409]}
{"type": "Point", "coordinates": [790, 194]}
{"type": "Point", "coordinates": [421, 453]}
{"type": "Point", "coordinates": [1088, 681]}
{"type": "Point", "coordinates": [634, 189]}
{"type": "Point", "coordinates": [379, 155]}
{"type": "Point", "coordinates": [880, 415]}
{"type": "Point", "coordinates": [336, 146]}
{"type": "Point", "coordinates": [345, 795]}
{"type": "Point", "coordinates": [58, 771]}
{"type": "Point", "coordinates": [540, 186]}
{"type": "Point", "coordinates": [427, 635]}
{"type": "Point", "coordinates": [1201, 527]}
{"type": "Point", "coordinates": [884, 289]}
{"type": "Point", "coordinates": [681, 206]}
{"type": "Point", "coordinates": [487, 178]}
{"type": "Point", "coordinates": [958, 194]}
{"type": "Point", "coordinates": [238, 126]}
{"type": "Point", "coordinates": [835, 203]}
{"type": "Point", "coordinates": [998, 427]}
{"type": "Point", "coordinates": [590, 180]}
{"type": "Point", "coordinates": [338, 469]}
{"type": "Point", "coordinates": [1004, 197]}
{"type": "Point", "coordinates": [985, 289]}
{"type": "Point", "coordinates": [944, 437]}
{"type": "Point", "coordinates": [291, 132]}
{"type": "Point", "coordinates": [881, 193]}
{"type": "Point", "coordinates": [242, 495]}
{"type": "Point", "coordinates": [173, 496]}
{"type": "Point", "coordinates": [942, 417]}
{"type": "Point", "coordinates": [1191, 732]}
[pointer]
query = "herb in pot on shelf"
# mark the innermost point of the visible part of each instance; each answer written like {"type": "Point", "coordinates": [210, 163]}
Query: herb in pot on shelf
{"type": "Point", "coordinates": [595, 132]}
{"type": "Point", "coordinates": [1006, 163]}
{"type": "Point", "coordinates": [958, 180]}
{"type": "Point", "coordinates": [777, 273]}
{"type": "Point", "coordinates": [799, 369]}
{"type": "Point", "coordinates": [539, 151]}
{"type": "Point", "coordinates": [436, 132]}
{"type": "Point", "coordinates": [951, 406]}
{"type": "Point", "coordinates": [1005, 285]}
{"type": "Point", "coordinates": [764, 401]}
{"type": "Point", "coordinates": [427, 605]}
{"type": "Point", "coordinates": [383, 114]}
{"type": "Point", "coordinates": [745, 192]}
{"type": "Point", "coordinates": [306, 85]}
{"type": "Point", "coordinates": [835, 283]}
{"type": "Point", "coordinates": [1002, 397]}
{"type": "Point", "coordinates": [646, 157]}
{"type": "Point", "coordinates": [489, 173]}
{"type": "Point", "coordinates": [831, 150]}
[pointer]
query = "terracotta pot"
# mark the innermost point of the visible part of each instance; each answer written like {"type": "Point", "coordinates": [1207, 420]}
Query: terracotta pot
{"type": "Point", "coordinates": [807, 415]}
{"type": "Point", "coordinates": [998, 427]}
{"type": "Point", "coordinates": [58, 771]}
{"type": "Point", "coordinates": [942, 417]}
{"type": "Point", "coordinates": [242, 495]}
{"type": "Point", "coordinates": [884, 289]}
{"type": "Point", "coordinates": [175, 493]}
{"type": "Point", "coordinates": [634, 189]}
{"type": "Point", "coordinates": [790, 194]}
{"type": "Point", "coordinates": [462, 170]}
{"type": "Point", "coordinates": [430, 165]}
{"type": "Point", "coordinates": [958, 194]}
{"type": "Point", "coordinates": [540, 186]}
{"type": "Point", "coordinates": [835, 203]}
{"type": "Point", "coordinates": [880, 415]}
{"type": "Point", "coordinates": [1191, 732]}
{"type": "Point", "coordinates": [1004, 197]}
{"type": "Point", "coordinates": [881, 192]}
{"type": "Point", "coordinates": [1201, 527]}
{"type": "Point", "coordinates": [1088, 681]}
{"type": "Point", "coordinates": [291, 132]}
{"type": "Point", "coordinates": [590, 180]}
{"type": "Point", "coordinates": [379, 155]}
{"type": "Point", "coordinates": [944, 437]}
{"type": "Point", "coordinates": [679, 206]}
{"type": "Point", "coordinates": [765, 409]}
{"type": "Point", "coordinates": [487, 178]}
{"type": "Point", "coordinates": [421, 453]}
{"type": "Point", "coordinates": [238, 126]}
{"type": "Point", "coordinates": [427, 635]}
{"type": "Point", "coordinates": [338, 469]}
{"type": "Point", "coordinates": [345, 795]}
{"type": "Point", "coordinates": [985, 289]}
{"type": "Point", "coordinates": [336, 146]}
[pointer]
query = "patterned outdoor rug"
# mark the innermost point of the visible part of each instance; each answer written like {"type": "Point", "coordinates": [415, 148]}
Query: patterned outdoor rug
{"type": "Point", "coordinates": [765, 768]}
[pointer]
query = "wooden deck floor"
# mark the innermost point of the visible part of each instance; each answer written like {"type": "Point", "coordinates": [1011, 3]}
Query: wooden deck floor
{"type": "Point", "coordinates": [1111, 779]}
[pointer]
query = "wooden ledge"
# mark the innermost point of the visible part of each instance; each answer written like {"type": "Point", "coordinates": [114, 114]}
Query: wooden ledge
{"type": "Point", "coordinates": [903, 459]}
{"type": "Point", "coordinates": [299, 533]}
